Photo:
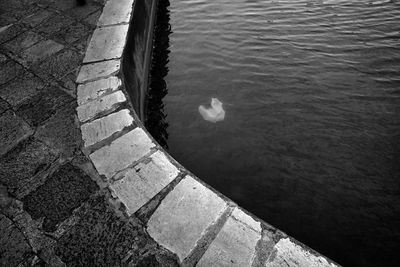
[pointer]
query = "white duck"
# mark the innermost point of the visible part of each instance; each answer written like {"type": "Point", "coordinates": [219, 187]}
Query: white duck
{"type": "Point", "coordinates": [213, 114]}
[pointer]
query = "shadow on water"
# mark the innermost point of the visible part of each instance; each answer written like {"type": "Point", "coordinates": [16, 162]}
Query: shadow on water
{"type": "Point", "coordinates": [155, 119]}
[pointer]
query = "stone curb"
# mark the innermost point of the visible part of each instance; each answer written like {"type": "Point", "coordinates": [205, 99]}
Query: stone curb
{"type": "Point", "coordinates": [192, 220]}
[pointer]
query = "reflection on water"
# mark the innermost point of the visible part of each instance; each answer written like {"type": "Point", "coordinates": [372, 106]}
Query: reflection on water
{"type": "Point", "coordinates": [311, 140]}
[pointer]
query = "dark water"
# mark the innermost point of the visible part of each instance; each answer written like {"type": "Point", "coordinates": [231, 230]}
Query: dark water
{"type": "Point", "coordinates": [311, 138]}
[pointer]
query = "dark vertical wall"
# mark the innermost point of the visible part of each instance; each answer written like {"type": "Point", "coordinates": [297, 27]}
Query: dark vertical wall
{"type": "Point", "coordinates": [137, 55]}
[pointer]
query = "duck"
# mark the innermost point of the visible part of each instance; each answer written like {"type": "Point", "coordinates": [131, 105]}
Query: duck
{"type": "Point", "coordinates": [213, 114]}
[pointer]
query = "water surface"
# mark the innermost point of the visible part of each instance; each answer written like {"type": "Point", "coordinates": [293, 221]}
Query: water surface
{"type": "Point", "coordinates": [311, 137]}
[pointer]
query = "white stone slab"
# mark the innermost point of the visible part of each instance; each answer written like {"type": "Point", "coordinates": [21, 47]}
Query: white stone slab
{"type": "Point", "coordinates": [122, 152]}
{"type": "Point", "coordinates": [142, 182]}
{"type": "Point", "coordinates": [116, 12]}
{"type": "Point", "coordinates": [183, 216]}
{"type": "Point", "coordinates": [106, 43]}
{"type": "Point", "coordinates": [104, 127]}
{"type": "Point", "coordinates": [93, 90]}
{"type": "Point", "coordinates": [239, 215]}
{"type": "Point", "coordinates": [234, 245]}
{"type": "Point", "coordinates": [109, 102]}
{"type": "Point", "coordinates": [291, 254]}
{"type": "Point", "coordinates": [91, 72]}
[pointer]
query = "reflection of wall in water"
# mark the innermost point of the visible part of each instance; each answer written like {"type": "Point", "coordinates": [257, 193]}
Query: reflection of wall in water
{"type": "Point", "coordinates": [155, 117]}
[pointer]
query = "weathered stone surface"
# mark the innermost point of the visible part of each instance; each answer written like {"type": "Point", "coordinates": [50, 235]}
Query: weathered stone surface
{"type": "Point", "coordinates": [116, 12]}
{"type": "Point", "coordinates": [81, 12]}
{"type": "Point", "coordinates": [141, 183]}
{"type": "Point", "coordinates": [104, 127]}
{"type": "Point", "coordinates": [288, 253]}
{"type": "Point", "coordinates": [239, 215]}
{"type": "Point", "coordinates": [43, 105]}
{"type": "Point", "coordinates": [93, 18]}
{"type": "Point", "coordinates": [10, 31]}
{"type": "Point", "coordinates": [13, 130]}
{"type": "Point", "coordinates": [35, 19]}
{"type": "Point", "coordinates": [3, 106]}
{"type": "Point", "coordinates": [20, 165]}
{"type": "Point", "coordinates": [63, 192]}
{"type": "Point", "coordinates": [107, 103]}
{"type": "Point", "coordinates": [234, 245]}
{"type": "Point", "coordinates": [40, 51]}
{"type": "Point", "coordinates": [122, 152]}
{"type": "Point", "coordinates": [9, 69]}
{"type": "Point", "coordinates": [23, 41]}
{"type": "Point", "coordinates": [61, 132]}
{"type": "Point", "coordinates": [98, 70]}
{"type": "Point", "coordinates": [101, 238]}
{"type": "Point", "coordinates": [96, 89]}
{"type": "Point", "coordinates": [183, 216]}
{"type": "Point", "coordinates": [55, 24]}
{"type": "Point", "coordinates": [13, 245]}
{"type": "Point", "coordinates": [24, 86]}
{"type": "Point", "coordinates": [106, 43]}
{"type": "Point", "coordinates": [70, 34]}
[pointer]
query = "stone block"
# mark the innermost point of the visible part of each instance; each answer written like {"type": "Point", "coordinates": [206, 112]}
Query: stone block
{"type": "Point", "coordinates": [108, 103]}
{"type": "Point", "coordinates": [3, 106]}
{"type": "Point", "coordinates": [234, 245]}
{"type": "Point", "coordinates": [116, 12]}
{"type": "Point", "coordinates": [91, 72]}
{"type": "Point", "coordinates": [43, 105]}
{"type": "Point", "coordinates": [106, 43]}
{"type": "Point", "coordinates": [9, 69]}
{"type": "Point", "coordinates": [184, 215]}
{"type": "Point", "coordinates": [23, 163]}
{"type": "Point", "coordinates": [64, 191]}
{"type": "Point", "coordinates": [93, 90]}
{"type": "Point", "coordinates": [34, 20]}
{"type": "Point", "coordinates": [40, 51]}
{"type": "Point", "coordinates": [23, 41]}
{"type": "Point", "coordinates": [71, 34]}
{"type": "Point", "coordinates": [13, 130]}
{"type": "Point", "coordinates": [60, 132]}
{"type": "Point", "coordinates": [136, 186]}
{"type": "Point", "coordinates": [20, 89]}
{"type": "Point", "coordinates": [122, 152]}
{"type": "Point", "coordinates": [10, 31]}
{"type": "Point", "coordinates": [13, 244]}
{"type": "Point", "coordinates": [93, 18]}
{"type": "Point", "coordinates": [288, 253]}
{"type": "Point", "coordinates": [54, 24]}
{"type": "Point", "coordinates": [104, 127]}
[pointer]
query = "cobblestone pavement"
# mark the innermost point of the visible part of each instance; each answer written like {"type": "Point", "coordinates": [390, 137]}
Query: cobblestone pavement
{"type": "Point", "coordinates": [54, 210]}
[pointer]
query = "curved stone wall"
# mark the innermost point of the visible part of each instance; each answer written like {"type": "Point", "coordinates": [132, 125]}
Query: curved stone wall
{"type": "Point", "coordinates": [182, 213]}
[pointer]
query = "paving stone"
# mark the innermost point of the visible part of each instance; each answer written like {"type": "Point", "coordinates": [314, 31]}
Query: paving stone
{"type": "Point", "coordinates": [93, 90]}
{"type": "Point", "coordinates": [234, 245]}
{"type": "Point", "coordinates": [104, 127]}
{"type": "Point", "coordinates": [65, 190]}
{"type": "Point", "coordinates": [68, 82]}
{"type": "Point", "coordinates": [20, 165]}
{"type": "Point", "coordinates": [43, 105]}
{"type": "Point", "coordinates": [54, 24]}
{"type": "Point", "coordinates": [106, 43]}
{"type": "Point", "coordinates": [98, 70]}
{"type": "Point", "coordinates": [40, 51]}
{"type": "Point", "coordinates": [10, 31]}
{"type": "Point", "coordinates": [116, 12]}
{"type": "Point", "coordinates": [3, 106]}
{"type": "Point", "coordinates": [40, 16]}
{"type": "Point", "coordinates": [13, 130]}
{"type": "Point", "coordinates": [287, 253]}
{"type": "Point", "coordinates": [57, 5]}
{"type": "Point", "coordinates": [61, 132]}
{"type": "Point", "coordinates": [239, 215]}
{"type": "Point", "coordinates": [9, 69]}
{"type": "Point", "coordinates": [23, 10]}
{"type": "Point", "coordinates": [72, 33]}
{"type": "Point", "coordinates": [101, 238]}
{"type": "Point", "coordinates": [13, 245]}
{"type": "Point", "coordinates": [81, 12]}
{"type": "Point", "coordinates": [24, 86]}
{"type": "Point", "coordinates": [183, 216]}
{"type": "Point", "coordinates": [59, 64]}
{"type": "Point", "coordinates": [109, 102]}
{"type": "Point", "coordinates": [23, 41]}
{"type": "Point", "coordinates": [122, 152]}
{"type": "Point", "coordinates": [138, 185]}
